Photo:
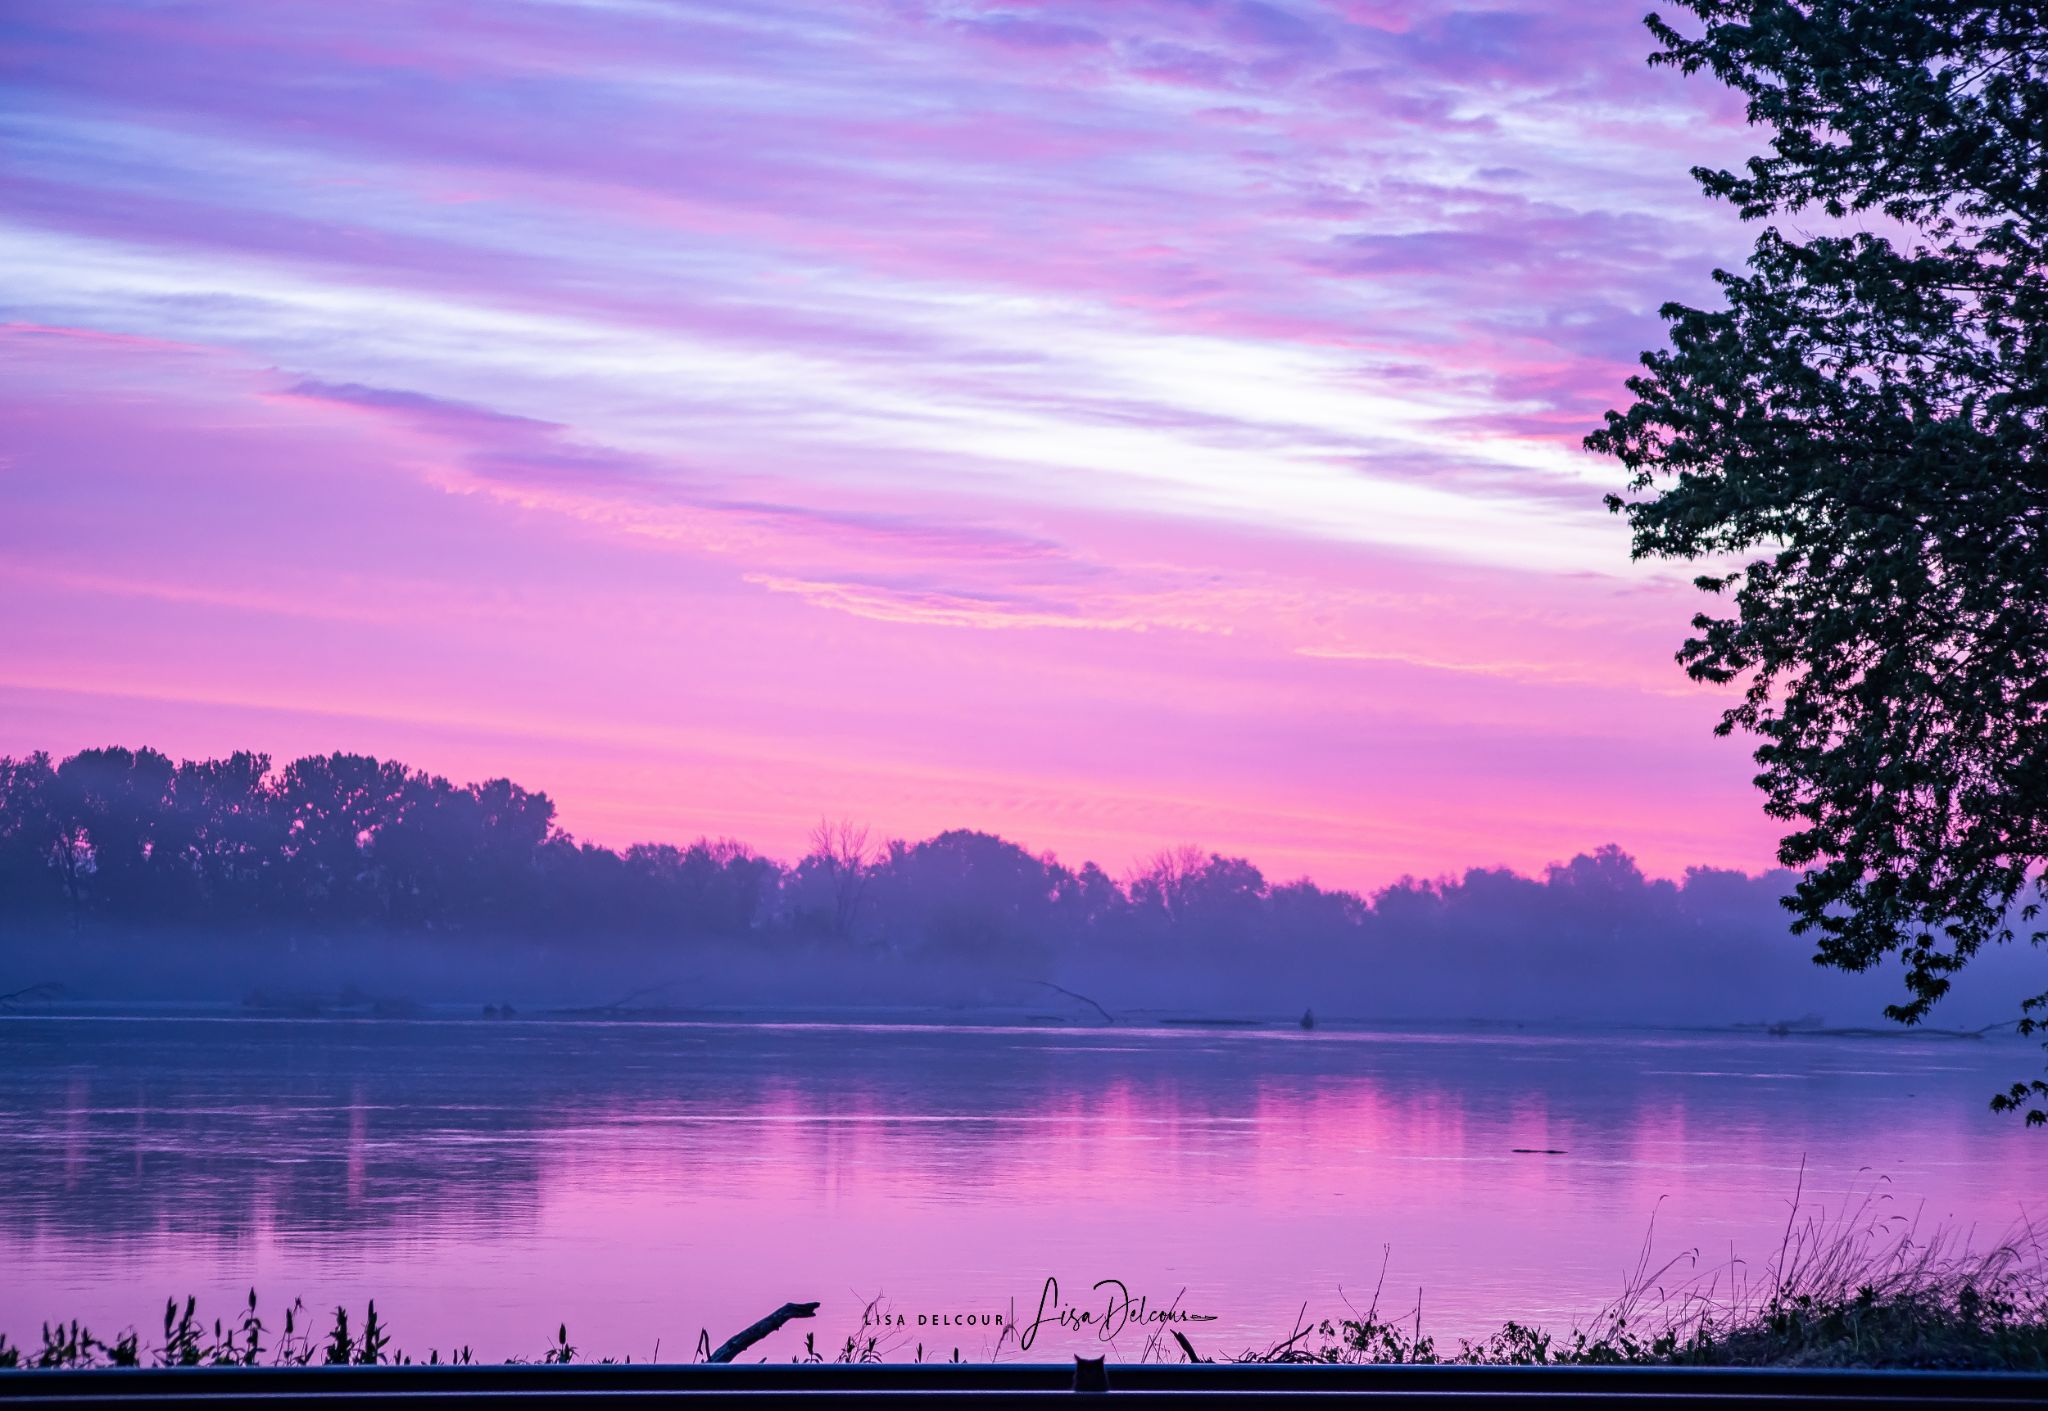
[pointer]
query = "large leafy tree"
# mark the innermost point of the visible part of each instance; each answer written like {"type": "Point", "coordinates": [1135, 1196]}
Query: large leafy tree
{"type": "Point", "coordinates": [1852, 448]}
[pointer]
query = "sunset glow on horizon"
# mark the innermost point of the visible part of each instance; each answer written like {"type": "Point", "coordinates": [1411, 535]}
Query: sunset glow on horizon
{"type": "Point", "coordinates": [1111, 426]}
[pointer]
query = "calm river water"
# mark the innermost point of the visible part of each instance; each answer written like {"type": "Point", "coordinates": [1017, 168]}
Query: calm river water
{"type": "Point", "coordinates": [485, 1181]}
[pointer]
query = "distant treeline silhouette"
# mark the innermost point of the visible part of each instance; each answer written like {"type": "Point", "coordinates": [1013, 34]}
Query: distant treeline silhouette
{"type": "Point", "coordinates": [335, 842]}
{"type": "Point", "coordinates": [115, 844]}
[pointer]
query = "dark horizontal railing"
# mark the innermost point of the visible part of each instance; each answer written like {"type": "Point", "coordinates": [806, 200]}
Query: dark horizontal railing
{"type": "Point", "coordinates": [764, 1386]}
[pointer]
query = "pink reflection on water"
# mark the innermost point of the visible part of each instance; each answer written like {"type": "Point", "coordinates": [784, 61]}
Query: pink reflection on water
{"type": "Point", "coordinates": [648, 1185]}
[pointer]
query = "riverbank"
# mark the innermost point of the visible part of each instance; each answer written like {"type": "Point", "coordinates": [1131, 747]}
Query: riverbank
{"type": "Point", "coordinates": [1836, 1297]}
{"type": "Point", "coordinates": [355, 1005]}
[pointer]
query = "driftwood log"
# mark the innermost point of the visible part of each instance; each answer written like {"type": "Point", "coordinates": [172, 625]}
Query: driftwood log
{"type": "Point", "coordinates": [32, 994]}
{"type": "Point", "coordinates": [745, 1338]}
{"type": "Point", "coordinates": [1107, 1017]}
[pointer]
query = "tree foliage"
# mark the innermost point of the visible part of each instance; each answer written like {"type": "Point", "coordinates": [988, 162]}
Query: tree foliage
{"type": "Point", "coordinates": [230, 874]}
{"type": "Point", "coordinates": [1852, 447]}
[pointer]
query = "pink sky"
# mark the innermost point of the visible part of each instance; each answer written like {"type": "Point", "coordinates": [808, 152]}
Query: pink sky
{"type": "Point", "coordinates": [1112, 426]}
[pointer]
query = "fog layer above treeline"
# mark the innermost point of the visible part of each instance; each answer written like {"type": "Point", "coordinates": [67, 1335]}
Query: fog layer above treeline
{"type": "Point", "coordinates": [127, 876]}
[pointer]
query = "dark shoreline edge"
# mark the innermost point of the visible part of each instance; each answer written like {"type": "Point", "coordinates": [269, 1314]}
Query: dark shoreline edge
{"type": "Point", "coordinates": [1205, 1384]}
{"type": "Point", "coordinates": [1164, 1023]}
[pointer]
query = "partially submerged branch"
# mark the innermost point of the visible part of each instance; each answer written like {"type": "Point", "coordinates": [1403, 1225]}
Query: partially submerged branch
{"type": "Point", "coordinates": [1107, 1017]}
{"type": "Point", "coordinates": [30, 994]}
{"type": "Point", "coordinates": [740, 1341]}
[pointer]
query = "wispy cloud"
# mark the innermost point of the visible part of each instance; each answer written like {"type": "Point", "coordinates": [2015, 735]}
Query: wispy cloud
{"type": "Point", "coordinates": [1094, 371]}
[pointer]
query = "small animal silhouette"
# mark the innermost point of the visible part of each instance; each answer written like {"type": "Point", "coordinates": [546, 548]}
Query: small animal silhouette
{"type": "Point", "coordinates": [1089, 1374]}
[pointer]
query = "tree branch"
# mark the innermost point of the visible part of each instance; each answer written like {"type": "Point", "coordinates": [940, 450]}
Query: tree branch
{"type": "Point", "coordinates": [740, 1341]}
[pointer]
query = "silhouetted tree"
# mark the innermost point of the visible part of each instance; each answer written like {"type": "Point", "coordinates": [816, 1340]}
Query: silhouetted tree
{"type": "Point", "coordinates": [230, 834]}
{"type": "Point", "coordinates": [1088, 903]}
{"type": "Point", "coordinates": [1160, 884]}
{"type": "Point", "coordinates": [114, 829]}
{"type": "Point", "coordinates": [30, 837]}
{"type": "Point", "coordinates": [967, 894]}
{"type": "Point", "coordinates": [335, 807]}
{"type": "Point", "coordinates": [1866, 418]}
{"type": "Point", "coordinates": [837, 866]}
{"type": "Point", "coordinates": [1224, 901]}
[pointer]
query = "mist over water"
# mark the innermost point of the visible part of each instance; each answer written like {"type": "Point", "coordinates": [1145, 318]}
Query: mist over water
{"type": "Point", "coordinates": [484, 1181]}
{"type": "Point", "coordinates": [128, 877]}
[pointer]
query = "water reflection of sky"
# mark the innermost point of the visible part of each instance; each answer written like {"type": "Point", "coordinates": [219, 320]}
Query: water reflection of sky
{"type": "Point", "coordinates": [486, 1181]}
